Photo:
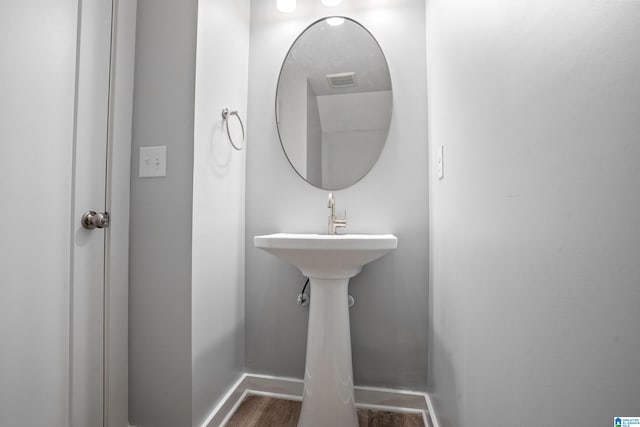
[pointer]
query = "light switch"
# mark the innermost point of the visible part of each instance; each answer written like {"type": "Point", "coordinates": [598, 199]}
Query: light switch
{"type": "Point", "coordinates": [153, 161]}
{"type": "Point", "coordinates": [440, 162]}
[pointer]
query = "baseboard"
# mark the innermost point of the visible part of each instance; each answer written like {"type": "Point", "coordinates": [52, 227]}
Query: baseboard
{"type": "Point", "coordinates": [228, 404]}
{"type": "Point", "coordinates": [432, 412]}
{"type": "Point", "coordinates": [374, 398]}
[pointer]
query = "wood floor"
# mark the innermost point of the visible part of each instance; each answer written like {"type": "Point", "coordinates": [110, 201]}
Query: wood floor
{"type": "Point", "coordinates": [259, 411]}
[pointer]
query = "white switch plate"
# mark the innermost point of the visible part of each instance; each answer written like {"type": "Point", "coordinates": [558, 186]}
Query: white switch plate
{"type": "Point", "coordinates": [153, 161]}
{"type": "Point", "coordinates": [440, 162]}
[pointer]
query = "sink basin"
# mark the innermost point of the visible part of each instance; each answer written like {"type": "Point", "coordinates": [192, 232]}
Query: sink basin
{"type": "Point", "coordinates": [327, 256]}
{"type": "Point", "coordinates": [328, 261]}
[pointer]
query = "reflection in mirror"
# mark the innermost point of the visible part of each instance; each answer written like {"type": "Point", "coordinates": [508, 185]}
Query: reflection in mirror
{"type": "Point", "coordinates": [333, 103]}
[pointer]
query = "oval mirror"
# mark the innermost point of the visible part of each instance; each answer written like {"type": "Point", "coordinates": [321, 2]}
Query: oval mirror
{"type": "Point", "coordinates": [333, 103]}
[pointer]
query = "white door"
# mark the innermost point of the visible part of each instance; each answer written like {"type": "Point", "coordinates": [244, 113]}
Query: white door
{"type": "Point", "coordinates": [54, 119]}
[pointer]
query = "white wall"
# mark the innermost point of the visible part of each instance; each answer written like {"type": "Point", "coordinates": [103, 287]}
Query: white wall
{"type": "Point", "coordinates": [389, 320]}
{"type": "Point", "coordinates": [38, 46]}
{"type": "Point", "coordinates": [217, 290]}
{"type": "Point", "coordinates": [314, 138]}
{"type": "Point", "coordinates": [535, 231]}
{"type": "Point", "coordinates": [187, 229]}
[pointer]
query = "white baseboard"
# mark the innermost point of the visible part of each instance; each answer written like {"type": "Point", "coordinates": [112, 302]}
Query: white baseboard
{"type": "Point", "coordinates": [374, 398]}
{"type": "Point", "coordinates": [228, 404]}
{"type": "Point", "coordinates": [432, 412]}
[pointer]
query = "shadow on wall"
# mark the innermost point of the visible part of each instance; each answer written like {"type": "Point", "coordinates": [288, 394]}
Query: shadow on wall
{"type": "Point", "coordinates": [220, 151]}
{"type": "Point", "coordinates": [447, 398]}
{"type": "Point", "coordinates": [388, 321]}
{"type": "Point", "coordinates": [228, 347]}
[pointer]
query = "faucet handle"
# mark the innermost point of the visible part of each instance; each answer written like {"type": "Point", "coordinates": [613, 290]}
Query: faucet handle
{"type": "Point", "coordinates": [334, 222]}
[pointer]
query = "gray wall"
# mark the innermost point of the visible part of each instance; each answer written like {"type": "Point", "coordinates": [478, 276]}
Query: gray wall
{"type": "Point", "coordinates": [535, 231]}
{"type": "Point", "coordinates": [388, 324]}
{"type": "Point", "coordinates": [161, 212]}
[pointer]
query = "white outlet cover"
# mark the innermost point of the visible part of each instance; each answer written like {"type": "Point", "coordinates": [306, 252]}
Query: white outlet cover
{"type": "Point", "coordinates": [153, 161]}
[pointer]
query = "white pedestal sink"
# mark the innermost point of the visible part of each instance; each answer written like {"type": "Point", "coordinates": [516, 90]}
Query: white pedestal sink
{"type": "Point", "coordinates": [328, 261]}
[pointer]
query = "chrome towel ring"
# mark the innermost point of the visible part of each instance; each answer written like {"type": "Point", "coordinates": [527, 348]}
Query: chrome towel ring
{"type": "Point", "coordinates": [225, 116]}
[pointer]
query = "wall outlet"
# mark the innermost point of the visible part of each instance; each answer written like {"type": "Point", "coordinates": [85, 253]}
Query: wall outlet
{"type": "Point", "coordinates": [440, 162]}
{"type": "Point", "coordinates": [153, 161]}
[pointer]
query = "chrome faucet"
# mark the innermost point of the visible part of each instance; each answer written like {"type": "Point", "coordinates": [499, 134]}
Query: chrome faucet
{"type": "Point", "coordinates": [334, 222]}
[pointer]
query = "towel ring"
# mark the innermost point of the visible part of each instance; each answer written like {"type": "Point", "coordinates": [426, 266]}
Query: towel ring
{"type": "Point", "coordinates": [225, 116]}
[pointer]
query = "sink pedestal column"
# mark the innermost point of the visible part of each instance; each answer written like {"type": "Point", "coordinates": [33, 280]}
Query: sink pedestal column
{"type": "Point", "coordinates": [328, 380]}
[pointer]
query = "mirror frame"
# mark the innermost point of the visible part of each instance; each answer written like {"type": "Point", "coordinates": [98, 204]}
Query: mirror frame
{"type": "Point", "coordinates": [278, 86]}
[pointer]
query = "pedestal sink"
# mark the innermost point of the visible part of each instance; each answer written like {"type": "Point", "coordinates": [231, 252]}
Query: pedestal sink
{"type": "Point", "coordinates": [328, 261]}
